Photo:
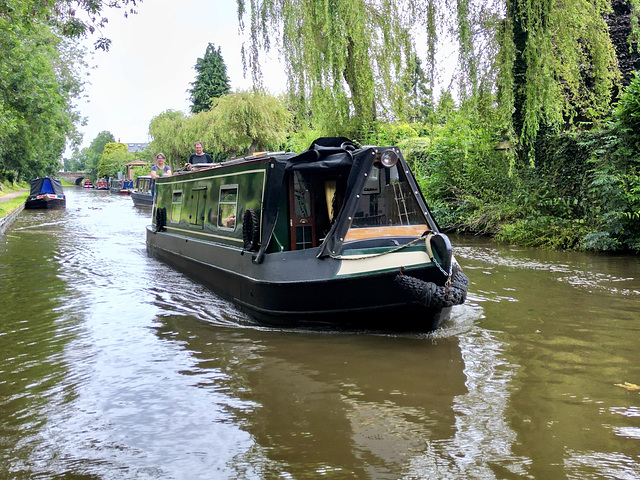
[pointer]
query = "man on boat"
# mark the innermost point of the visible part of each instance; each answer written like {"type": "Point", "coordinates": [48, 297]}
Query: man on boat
{"type": "Point", "coordinates": [198, 157]}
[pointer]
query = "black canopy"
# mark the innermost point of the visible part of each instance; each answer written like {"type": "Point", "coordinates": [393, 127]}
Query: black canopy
{"type": "Point", "coordinates": [327, 153]}
{"type": "Point", "coordinates": [42, 185]}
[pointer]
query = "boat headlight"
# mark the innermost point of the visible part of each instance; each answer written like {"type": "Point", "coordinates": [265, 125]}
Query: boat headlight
{"type": "Point", "coordinates": [389, 158]}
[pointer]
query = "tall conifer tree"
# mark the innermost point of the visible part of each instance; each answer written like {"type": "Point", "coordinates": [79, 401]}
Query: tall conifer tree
{"type": "Point", "coordinates": [211, 80]}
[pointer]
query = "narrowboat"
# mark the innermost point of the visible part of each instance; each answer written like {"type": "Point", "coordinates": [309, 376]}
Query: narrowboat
{"type": "Point", "coordinates": [338, 235]}
{"type": "Point", "coordinates": [124, 186]}
{"type": "Point", "coordinates": [46, 192]}
{"type": "Point", "coordinates": [87, 184]}
{"type": "Point", "coordinates": [102, 184]}
{"type": "Point", "coordinates": [141, 194]}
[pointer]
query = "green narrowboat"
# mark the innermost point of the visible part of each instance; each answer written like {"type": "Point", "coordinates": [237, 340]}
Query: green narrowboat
{"type": "Point", "coordinates": [336, 235]}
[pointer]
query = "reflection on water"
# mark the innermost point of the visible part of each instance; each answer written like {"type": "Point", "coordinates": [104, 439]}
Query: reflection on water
{"type": "Point", "coordinates": [113, 365]}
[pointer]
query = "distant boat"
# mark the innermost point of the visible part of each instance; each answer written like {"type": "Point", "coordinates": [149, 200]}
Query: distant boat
{"type": "Point", "coordinates": [87, 184]}
{"type": "Point", "coordinates": [46, 192]}
{"type": "Point", "coordinates": [141, 194]}
{"type": "Point", "coordinates": [121, 186]}
{"type": "Point", "coordinates": [102, 185]}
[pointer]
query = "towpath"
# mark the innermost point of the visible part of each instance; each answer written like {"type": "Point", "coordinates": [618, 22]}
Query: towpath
{"type": "Point", "coordinates": [10, 195]}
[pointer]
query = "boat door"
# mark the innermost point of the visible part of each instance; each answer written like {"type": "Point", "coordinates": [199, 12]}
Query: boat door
{"type": "Point", "coordinates": [301, 213]}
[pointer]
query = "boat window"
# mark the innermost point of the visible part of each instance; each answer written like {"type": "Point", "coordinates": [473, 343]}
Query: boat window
{"type": "Point", "coordinates": [228, 207]}
{"type": "Point", "coordinates": [176, 205]}
{"type": "Point", "coordinates": [302, 212]}
{"type": "Point", "coordinates": [145, 185]}
{"type": "Point", "coordinates": [388, 201]}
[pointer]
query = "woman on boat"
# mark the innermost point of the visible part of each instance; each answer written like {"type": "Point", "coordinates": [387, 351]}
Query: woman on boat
{"type": "Point", "coordinates": [160, 169]}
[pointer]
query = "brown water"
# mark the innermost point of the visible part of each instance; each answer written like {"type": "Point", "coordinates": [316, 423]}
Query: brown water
{"type": "Point", "coordinates": [114, 366]}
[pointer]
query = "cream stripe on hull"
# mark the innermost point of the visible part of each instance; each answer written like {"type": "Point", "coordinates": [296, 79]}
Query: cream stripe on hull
{"type": "Point", "coordinates": [373, 263]}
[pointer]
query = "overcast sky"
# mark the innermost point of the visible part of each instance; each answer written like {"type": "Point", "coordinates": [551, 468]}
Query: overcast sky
{"type": "Point", "coordinates": [149, 66]}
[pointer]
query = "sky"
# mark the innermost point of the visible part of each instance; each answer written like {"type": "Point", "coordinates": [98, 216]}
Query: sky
{"type": "Point", "coordinates": [150, 64]}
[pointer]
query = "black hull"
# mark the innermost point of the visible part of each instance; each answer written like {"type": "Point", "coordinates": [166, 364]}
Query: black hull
{"type": "Point", "coordinates": [295, 288]}
{"type": "Point", "coordinates": [142, 199]}
{"type": "Point", "coordinates": [41, 203]}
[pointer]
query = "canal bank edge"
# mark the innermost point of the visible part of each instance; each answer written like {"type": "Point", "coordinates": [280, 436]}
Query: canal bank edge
{"type": "Point", "coordinates": [6, 222]}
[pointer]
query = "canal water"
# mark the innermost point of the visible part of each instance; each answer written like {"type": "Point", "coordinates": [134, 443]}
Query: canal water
{"type": "Point", "coordinates": [113, 366]}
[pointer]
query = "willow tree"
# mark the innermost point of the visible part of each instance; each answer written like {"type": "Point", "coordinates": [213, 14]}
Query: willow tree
{"type": "Point", "coordinates": [343, 57]}
{"type": "Point", "coordinates": [548, 63]}
{"type": "Point", "coordinates": [558, 64]}
{"type": "Point", "coordinates": [250, 121]}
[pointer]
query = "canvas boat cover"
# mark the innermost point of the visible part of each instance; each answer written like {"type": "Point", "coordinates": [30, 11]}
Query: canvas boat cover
{"type": "Point", "coordinates": [328, 153]}
{"type": "Point", "coordinates": [42, 185]}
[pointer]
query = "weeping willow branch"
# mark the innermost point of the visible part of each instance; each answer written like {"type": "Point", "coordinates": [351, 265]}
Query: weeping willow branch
{"type": "Point", "coordinates": [344, 58]}
{"type": "Point", "coordinates": [536, 63]}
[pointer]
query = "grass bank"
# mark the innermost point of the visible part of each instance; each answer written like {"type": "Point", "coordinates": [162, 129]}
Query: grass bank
{"type": "Point", "coordinates": [6, 208]}
{"type": "Point", "coordinates": [9, 189]}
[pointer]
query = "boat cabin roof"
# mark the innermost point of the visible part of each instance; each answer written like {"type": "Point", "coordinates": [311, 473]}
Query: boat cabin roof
{"type": "Point", "coordinates": [42, 185]}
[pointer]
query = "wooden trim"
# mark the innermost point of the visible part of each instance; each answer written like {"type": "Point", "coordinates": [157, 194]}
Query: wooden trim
{"type": "Point", "coordinates": [377, 232]}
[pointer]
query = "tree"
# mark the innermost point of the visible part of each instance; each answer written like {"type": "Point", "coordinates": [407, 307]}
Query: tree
{"type": "Point", "coordinates": [41, 79]}
{"type": "Point", "coordinates": [78, 160]}
{"type": "Point", "coordinates": [557, 64]}
{"type": "Point", "coordinates": [548, 63]}
{"type": "Point", "coordinates": [250, 121]}
{"type": "Point", "coordinates": [166, 131]}
{"type": "Point", "coordinates": [343, 57]}
{"type": "Point", "coordinates": [37, 88]}
{"type": "Point", "coordinates": [211, 80]}
{"type": "Point", "coordinates": [95, 151]}
{"type": "Point", "coordinates": [114, 156]}
{"type": "Point", "coordinates": [70, 18]}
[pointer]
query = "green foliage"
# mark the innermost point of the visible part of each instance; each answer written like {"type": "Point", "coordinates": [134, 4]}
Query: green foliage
{"type": "Point", "coordinates": [615, 178]}
{"type": "Point", "coordinates": [114, 156]}
{"type": "Point", "coordinates": [166, 130]}
{"type": "Point", "coordinates": [37, 87]}
{"type": "Point", "coordinates": [250, 121]}
{"type": "Point", "coordinates": [237, 123]}
{"type": "Point", "coordinates": [71, 19]}
{"type": "Point", "coordinates": [557, 65]}
{"type": "Point", "coordinates": [94, 152]}
{"type": "Point", "coordinates": [544, 232]}
{"type": "Point", "coordinates": [383, 133]}
{"type": "Point", "coordinates": [40, 79]}
{"type": "Point", "coordinates": [175, 133]}
{"type": "Point", "coordinates": [301, 139]}
{"type": "Point", "coordinates": [211, 80]}
{"type": "Point", "coordinates": [464, 179]}
{"type": "Point", "coordinates": [627, 115]}
{"type": "Point", "coordinates": [344, 57]}
{"type": "Point", "coordinates": [78, 160]}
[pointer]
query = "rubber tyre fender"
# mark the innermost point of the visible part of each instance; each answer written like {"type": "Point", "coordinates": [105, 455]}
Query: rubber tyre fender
{"type": "Point", "coordinates": [250, 230]}
{"type": "Point", "coordinates": [161, 219]}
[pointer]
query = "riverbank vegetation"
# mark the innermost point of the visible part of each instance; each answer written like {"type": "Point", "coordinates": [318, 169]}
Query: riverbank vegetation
{"type": "Point", "coordinates": [41, 79]}
{"type": "Point", "coordinates": [532, 140]}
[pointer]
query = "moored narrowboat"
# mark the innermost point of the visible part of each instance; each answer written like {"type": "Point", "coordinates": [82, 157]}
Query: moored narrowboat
{"type": "Point", "coordinates": [46, 192]}
{"type": "Point", "coordinates": [123, 186]}
{"type": "Point", "coordinates": [102, 184]}
{"type": "Point", "coordinates": [142, 195]}
{"type": "Point", "coordinates": [336, 235]}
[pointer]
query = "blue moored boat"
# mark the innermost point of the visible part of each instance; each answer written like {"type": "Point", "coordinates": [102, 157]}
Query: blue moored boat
{"type": "Point", "coordinates": [46, 192]}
